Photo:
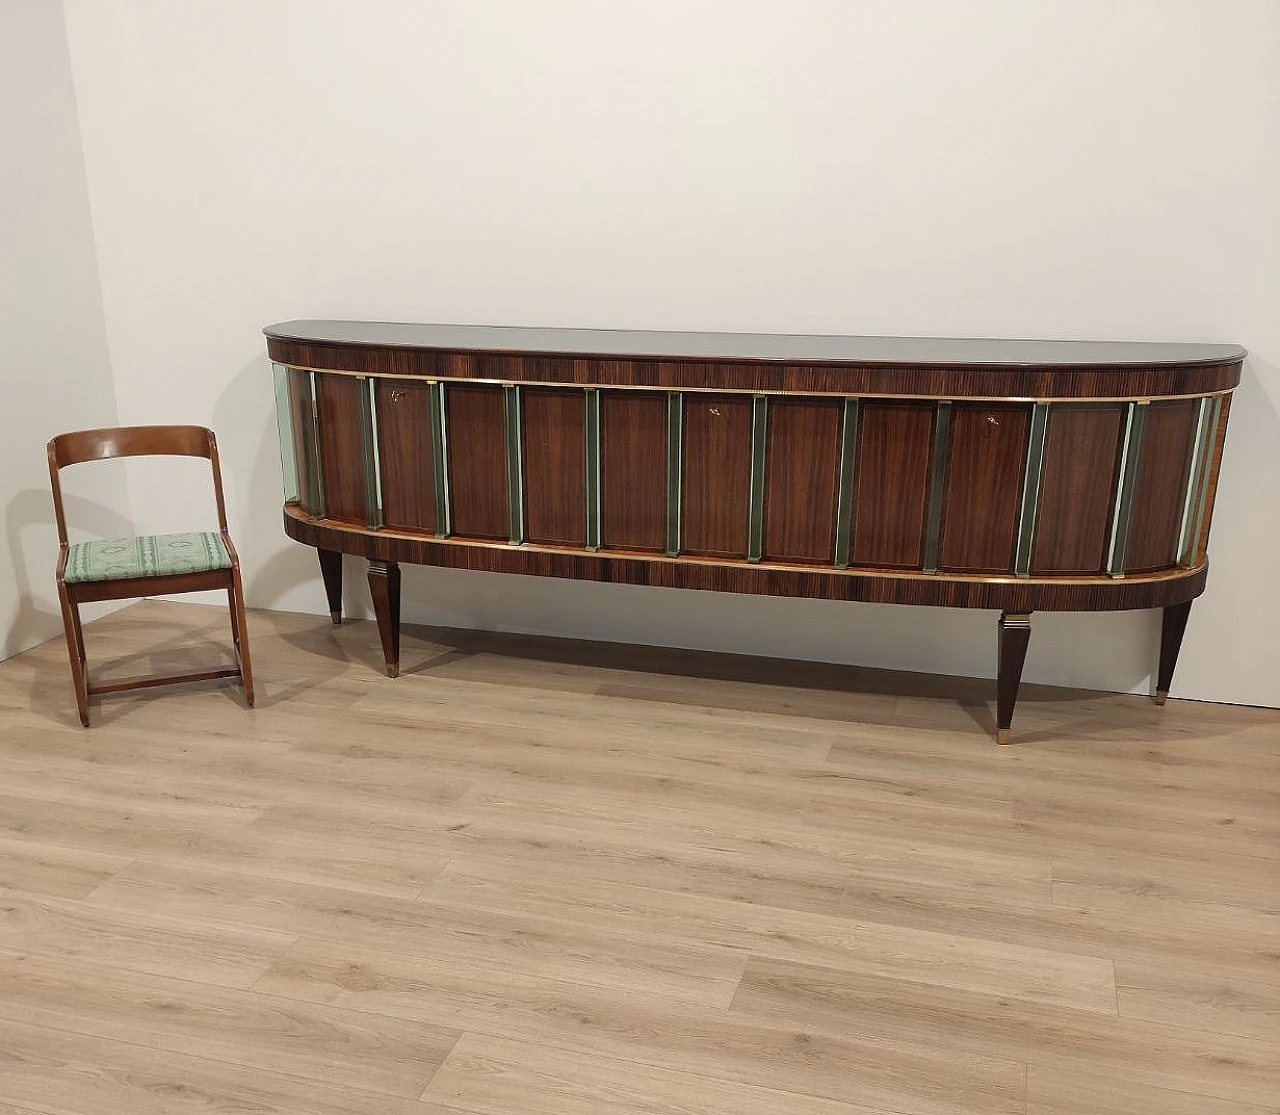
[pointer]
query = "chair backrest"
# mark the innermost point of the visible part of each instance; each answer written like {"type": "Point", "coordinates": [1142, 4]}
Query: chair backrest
{"type": "Point", "coordinates": [80, 446]}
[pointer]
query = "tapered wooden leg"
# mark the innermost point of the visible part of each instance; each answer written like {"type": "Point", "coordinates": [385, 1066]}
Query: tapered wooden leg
{"type": "Point", "coordinates": [384, 587]}
{"type": "Point", "coordinates": [1171, 632]}
{"type": "Point", "coordinates": [1015, 634]}
{"type": "Point", "coordinates": [331, 571]}
{"type": "Point", "coordinates": [240, 634]}
{"type": "Point", "coordinates": [75, 651]}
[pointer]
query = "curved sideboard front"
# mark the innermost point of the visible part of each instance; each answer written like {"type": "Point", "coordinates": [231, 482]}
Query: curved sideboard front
{"type": "Point", "coordinates": [1011, 475]}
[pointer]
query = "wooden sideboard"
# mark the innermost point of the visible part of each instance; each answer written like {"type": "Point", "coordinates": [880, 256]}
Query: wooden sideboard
{"type": "Point", "coordinates": [1019, 476]}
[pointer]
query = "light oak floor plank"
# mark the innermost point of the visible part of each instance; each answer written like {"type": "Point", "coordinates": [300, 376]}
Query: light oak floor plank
{"type": "Point", "coordinates": [542, 875]}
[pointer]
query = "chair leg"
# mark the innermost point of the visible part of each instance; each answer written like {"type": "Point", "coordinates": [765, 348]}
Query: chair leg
{"type": "Point", "coordinates": [75, 651]}
{"type": "Point", "coordinates": [240, 634]}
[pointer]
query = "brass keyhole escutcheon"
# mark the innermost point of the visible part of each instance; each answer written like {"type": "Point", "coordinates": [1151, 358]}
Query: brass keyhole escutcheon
{"type": "Point", "coordinates": [714, 411]}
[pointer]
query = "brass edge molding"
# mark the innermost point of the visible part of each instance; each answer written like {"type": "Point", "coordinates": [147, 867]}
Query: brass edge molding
{"type": "Point", "coordinates": [845, 510]}
{"type": "Point", "coordinates": [440, 458]}
{"type": "Point", "coordinates": [755, 499]}
{"type": "Point", "coordinates": [515, 464]}
{"type": "Point", "coordinates": [661, 389]}
{"type": "Point", "coordinates": [675, 470]}
{"type": "Point", "coordinates": [1130, 454]}
{"type": "Point", "coordinates": [1031, 490]}
{"type": "Point", "coordinates": [591, 468]}
{"type": "Point", "coordinates": [1173, 573]}
{"type": "Point", "coordinates": [937, 485]}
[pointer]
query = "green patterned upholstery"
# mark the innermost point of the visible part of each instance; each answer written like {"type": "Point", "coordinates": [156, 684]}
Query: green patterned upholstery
{"type": "Point", "coordinates": [149, 555]}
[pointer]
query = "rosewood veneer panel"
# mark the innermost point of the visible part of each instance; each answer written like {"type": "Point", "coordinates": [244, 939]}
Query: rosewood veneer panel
{"type": "Point", "coordinates": [717, 475]}
{"type": "Point", "coordinates": [554, 465]}
{"type": "Point", "coordinates": [801, 478]}
{"type": "Point", "coordinates": [986, 463]}
{"type": "Point", "coordinates": [891, 494]}
{"type": "Point", "coordinates": [1077, 488]}
{"type": "Point", "coordinates": [1160, 485]}
{"type": "Point", "coordinates": [301, 426]}
{"type": "Point", "coordinates": [341, 446]}
{"type": "Point", "coordinates": [633, 470]}
{"type": "Point", "coordinates": [477, 431]}
{"type": "Point", "coordinates": [404, 449]}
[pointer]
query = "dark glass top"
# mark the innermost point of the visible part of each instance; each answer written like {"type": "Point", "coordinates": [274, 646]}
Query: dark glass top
{"type": "Point", "coordinates": [779, 347]}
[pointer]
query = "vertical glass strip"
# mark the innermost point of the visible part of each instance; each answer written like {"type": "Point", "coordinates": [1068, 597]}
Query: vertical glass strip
{"type": "Point", "coordinates": [439, 458]}
{"type": "Point", "coordinates": [1031, 490]}
{"type": "Point", "coordinates": [369, 445]}
{"type": "Point", "coordinates": [759, 453]}
{"type": "Point", "coordinates": [937, 484]}
{"type": "Point", "coordinates": [1202, 499]}
{"type": "Point", "coordinates": [848, 475]}
{"type": "Point", "coordinates": [675, 467]}
{"type": "Point", "coordinates": [591, 424]}
{"type": "Point", "coordinates": [1198, 455]}
{"type": "Point", "coordinates": [317, 471]}
{"type": "Point", "coordinates": [1130, 453]}
{"type": "Point", "coordinates": [284, 427]}
{"type": "Point", "coordinates": [515, 465]}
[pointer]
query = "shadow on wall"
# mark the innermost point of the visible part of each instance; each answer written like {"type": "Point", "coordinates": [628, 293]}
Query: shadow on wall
{"type": "Point", "coordinates": [30, 512]}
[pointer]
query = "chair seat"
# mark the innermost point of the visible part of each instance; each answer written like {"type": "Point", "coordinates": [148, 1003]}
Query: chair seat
{"type": "Point", "coordinates": [148, 555]}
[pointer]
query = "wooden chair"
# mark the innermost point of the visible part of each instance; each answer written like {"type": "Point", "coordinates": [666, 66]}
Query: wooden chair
{"type": "Point", "coordinates": [149, 565]}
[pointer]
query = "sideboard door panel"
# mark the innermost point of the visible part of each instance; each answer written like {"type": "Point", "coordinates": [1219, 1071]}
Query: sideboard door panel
{"type": "Point", "coordinates": [1077, 488]}
{"type": "Point", "coordinates": [1160, 488]}
{"type": "Point", "coordinates": [801, 476]}
{"type": "Point", "coordinates": [716, 492]}
{"type": "Point", "coordinates": [554, 465]}
{"type": "Point", "coordinates": [404, 449]}
{"type": "Point", "coordinates": [633, 470]}
{"type": "Point", "coordinates": [476, 424]}
{"type": "Point", "coordinates": [891, 487]}
{"type": "Point", "coordinates": [341, 446]}
{"type": "Point", "coordinates": [986, 464]}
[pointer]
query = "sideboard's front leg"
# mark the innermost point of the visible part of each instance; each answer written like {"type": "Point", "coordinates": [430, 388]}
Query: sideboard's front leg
{"type": "Point", "coordinates": [331, 571]}
{"type": "Point", "coordinates": [1015, 634]}
{"type": "Point", "coordinates": [1171, 632]}
{"type": "Point", "coordinates": [384, 587]}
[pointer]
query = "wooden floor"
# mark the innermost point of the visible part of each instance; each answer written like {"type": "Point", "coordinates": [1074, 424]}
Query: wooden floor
{"type": "Point", "coordinates": [543, 878]}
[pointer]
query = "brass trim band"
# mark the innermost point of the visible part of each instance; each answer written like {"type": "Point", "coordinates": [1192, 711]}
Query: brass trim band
{"type": "Point", "coordinates": [591, 466]}
{"type": "Point", "coordinates": [440, 458]}
{"type": "Point", "coordinates": [515, 466]}
{"type": "Point", "coordinates": [759, 449]}
{"type": "Point", "coordinates": [1031, 490]}
{"type": "Point", "coordinates": [848, 477]}
{"type": "Point", "coordinates": [675, 468]}
{"type": "Point", "coordinates": [490, 381]}
{"type": "Point", "coordinates": [937, 485]}
{"type": "Point", "coordinates": [1130, 454]}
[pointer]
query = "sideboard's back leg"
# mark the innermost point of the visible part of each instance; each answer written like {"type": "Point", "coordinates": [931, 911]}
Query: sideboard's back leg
{"type": "Point", "coordinates": [331, 571]}
{"type": "Point", "coordinates": [1171, 631]}
{"type": "Point", "coordinates": [1015, 634]}
{"type": "Point", "coordinates": [384, 587]}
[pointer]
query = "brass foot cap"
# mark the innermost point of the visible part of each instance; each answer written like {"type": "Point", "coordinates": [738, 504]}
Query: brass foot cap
{"type": "Point", "coordinates": [336, 617]}
{"type": "Point", "coordinates": [1002, 735]}
{"type": "Point", "coordinates": [393, 671]}
{"type": "Point", "coordinates": [1161, 696]}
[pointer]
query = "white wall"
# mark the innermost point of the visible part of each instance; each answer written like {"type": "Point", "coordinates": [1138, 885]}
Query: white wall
{"type": "Point", "coordinates": [1079, 168]}
{"type": "Point", "coordinates": [55, 370]}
